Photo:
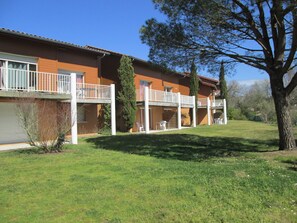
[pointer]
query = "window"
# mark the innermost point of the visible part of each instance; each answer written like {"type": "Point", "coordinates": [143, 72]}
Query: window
{"type": "Point", "coordinates": [168, 89]}
{"type": "Point", "coordinates": [144, 84]}
{"type": "Point", "coordinates": [17, 74]}
{"type": "Point", "coordinates": [81, 114]}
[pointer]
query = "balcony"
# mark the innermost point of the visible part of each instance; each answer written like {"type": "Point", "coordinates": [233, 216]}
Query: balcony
{"type": "Point", "coordinates": [215, 104]}
{"type": "Point", "coordinates": [158, 98]}
{"type": "Point", "coordinates": [16, 82]}
{"type": "Point", "coordinates": [187, 101]}
{"type": "Point", "coordinates": [22, 83]}
{"type": "Point", "coordinates": [93, 93]}
{"type": "Point", "coordinates": [202, 103]}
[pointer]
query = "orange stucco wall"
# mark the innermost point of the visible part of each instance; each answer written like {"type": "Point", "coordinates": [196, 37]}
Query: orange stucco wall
{"type": "Point", "coordinates": [158, 80]}
{"type": "Point", "coordinates": [201, 116]}
{"type": "Point", "coordinates": [51, 58]}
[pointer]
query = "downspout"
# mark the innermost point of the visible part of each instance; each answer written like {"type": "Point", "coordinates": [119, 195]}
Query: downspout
{"type": "Point", "coordinates": [99, 65]}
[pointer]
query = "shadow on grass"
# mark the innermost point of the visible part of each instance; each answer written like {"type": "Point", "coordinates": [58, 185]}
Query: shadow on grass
{"type": "Point", "coordinates": [182, 146]}
{"type": "Point", "coordinates": [292, 164]}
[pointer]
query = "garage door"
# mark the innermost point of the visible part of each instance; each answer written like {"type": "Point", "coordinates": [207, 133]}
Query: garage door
{"type": "Point", "coordinates": [10, 129]}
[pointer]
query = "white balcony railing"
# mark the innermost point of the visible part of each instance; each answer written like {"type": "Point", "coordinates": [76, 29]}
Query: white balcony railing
{"type": "Point", "coordinates": [202, 102]}
{"type": "Point", "coordinates": [186, 100]}
{"type": "Point", "coordinates": [157, 96]}
{"type": "Point", "coordinates": [93, 91]}
{"type": "Point", "coordinates": [33, 81]}
{"type": "Point", "coordinates": [217, 103]}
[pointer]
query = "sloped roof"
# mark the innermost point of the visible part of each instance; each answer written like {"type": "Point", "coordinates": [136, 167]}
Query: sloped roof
{"type": "Point", "coordinates": [48, 40]}
{"type": "Point", "coordinates": [204, 80]}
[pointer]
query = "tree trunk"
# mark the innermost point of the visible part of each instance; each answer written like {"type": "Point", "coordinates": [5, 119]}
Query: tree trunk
{"type": "Point", "coordinates": [282, 108]}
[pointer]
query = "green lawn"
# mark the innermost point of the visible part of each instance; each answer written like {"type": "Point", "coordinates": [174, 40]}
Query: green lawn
{"type": "Point", "coordinates": [222, 173]}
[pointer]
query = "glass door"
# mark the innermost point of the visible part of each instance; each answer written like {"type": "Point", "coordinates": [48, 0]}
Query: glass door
{"type": "Point", "coordinates": [17, 78]}
{"type": "Point", "coordinates": [2, 74]}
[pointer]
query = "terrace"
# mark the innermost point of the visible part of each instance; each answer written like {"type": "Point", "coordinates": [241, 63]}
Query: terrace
{"type": "Point", "coordinates": [163, 98]}
{"type": "Point", "coordinates": [15, 83]}
{"type": "Point", "coordinates": [22, 83]}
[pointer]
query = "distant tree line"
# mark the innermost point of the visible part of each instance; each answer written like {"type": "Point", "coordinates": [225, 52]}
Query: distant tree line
{"type": "Point", "coordinates": [255, 102]}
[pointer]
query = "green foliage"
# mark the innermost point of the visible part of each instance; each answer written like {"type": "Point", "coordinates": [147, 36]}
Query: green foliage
{"type": "Point", "coordinates": [255, 102]}
{"type": "Point", "coordinates": [223, 83]}
{"type": "Point", "coordinates": [194, 85]}
{"type": "Point", "coordinates": [236, 114]}
{"type": "Point", "coordinates": [204, 174]}
{"type": "Point", "coordinates": [106, 127]}
{"type": "Point", "coordinates": [127, 95]}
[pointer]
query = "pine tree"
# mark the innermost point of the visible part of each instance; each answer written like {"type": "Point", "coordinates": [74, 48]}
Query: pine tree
{"type": "Point", "coordinates": [223, 84]}
{"type": "Point", "coordinates": [194, 86]}
{"type": "Point", "coordinates": [126, 94]}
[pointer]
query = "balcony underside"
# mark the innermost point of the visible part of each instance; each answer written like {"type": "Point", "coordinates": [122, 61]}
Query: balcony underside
{"type": "Point", "coordinates": [157, 103]}
{"type": "Point", "coordinates": [40, 95]}
{"type": "Point", "coordinates": [50, 96]}
{"type": "Point", "coordinates": [164, 104]}
{"type": "Point", "coordinates": [93, 101]}
{"type": "Point", "coordinates": [186, 106]}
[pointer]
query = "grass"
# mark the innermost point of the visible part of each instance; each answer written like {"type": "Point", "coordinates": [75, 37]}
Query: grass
{"type": "Point", "coordinates": [230, 173]}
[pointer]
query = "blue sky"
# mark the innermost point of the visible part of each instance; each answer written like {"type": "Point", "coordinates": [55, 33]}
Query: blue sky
{"type": "Point", "coordinates": [108, 24]}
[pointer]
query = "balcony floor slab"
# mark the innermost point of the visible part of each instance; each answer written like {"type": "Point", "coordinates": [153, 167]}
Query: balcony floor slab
{"type": "Point", "coordinates": [41, 95]}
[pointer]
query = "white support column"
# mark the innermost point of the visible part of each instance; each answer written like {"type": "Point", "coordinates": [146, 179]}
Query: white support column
{"type": "Point", "coordinates": [6, 75]}
{"type": "Point", "coordinates": [208, 111]}
{"type": "Point", "coordinates": [73, 106]}
{"type": "Point", "coordinates": [178, 111]}
{"type": "Point", "coordinates": [113, 110]}
{"type": "Point", "coordinates": [225, 112]}
{"type": "Point", "coordinates": [146, 110]}
{"type": "Point", "coordinates": [194, 111]}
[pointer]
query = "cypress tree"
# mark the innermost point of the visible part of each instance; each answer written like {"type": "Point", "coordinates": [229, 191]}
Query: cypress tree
{"type": "Point", "coordinates": [223, 83]}
{"type": "Point", "coordinates": [126, 94]}
{"type": "Point", "coordinates": [194, 86]}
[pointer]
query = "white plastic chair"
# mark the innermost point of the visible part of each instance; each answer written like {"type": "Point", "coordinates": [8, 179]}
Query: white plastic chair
{"type": "Point", "coordinates": [140, 127]}
{"type": "Point", "coordinates": [163, 125]}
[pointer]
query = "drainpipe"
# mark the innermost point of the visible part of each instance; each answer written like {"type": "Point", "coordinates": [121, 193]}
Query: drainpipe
{"type": "Point", "coordinates": [73, 106]}
{"type": "Point", "coordinates": [100, 65]}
